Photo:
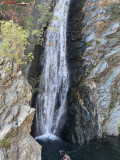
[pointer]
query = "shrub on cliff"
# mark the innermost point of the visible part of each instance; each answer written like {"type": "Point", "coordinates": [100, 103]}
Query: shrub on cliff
{"type": "Point", "coordinates": [114, 10]}
{"type": "Point", "coordinates": [4, 143]}
{"type": "Point", "coordinates": [12, 11]}
{"type": "Point", "coordinates": [13, 41]}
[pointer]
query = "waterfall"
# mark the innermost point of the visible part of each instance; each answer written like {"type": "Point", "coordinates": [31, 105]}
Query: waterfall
{"type": "Point", "coordinates": [51, 100]}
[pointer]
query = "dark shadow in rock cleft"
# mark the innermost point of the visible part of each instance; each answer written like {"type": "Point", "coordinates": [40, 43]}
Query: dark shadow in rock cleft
{"type": "Point", "coordinates": [34, 73]}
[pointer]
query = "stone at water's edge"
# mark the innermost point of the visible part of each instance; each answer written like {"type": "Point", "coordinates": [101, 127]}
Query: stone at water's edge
{"type": "Point", "coordinates": [94, 66]}
{"type": "Point", "coordinates": [16, 116]}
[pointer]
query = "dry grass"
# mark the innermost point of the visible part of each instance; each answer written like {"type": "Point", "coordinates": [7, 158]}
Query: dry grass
{"type": "Point", "coordinates": [102, 25]}
{"type": "Point", "coordinates": [106, 2]}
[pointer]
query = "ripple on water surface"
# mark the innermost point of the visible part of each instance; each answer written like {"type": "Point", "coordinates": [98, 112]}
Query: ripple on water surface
{"type": "Point", "coordinates": [108, 149]}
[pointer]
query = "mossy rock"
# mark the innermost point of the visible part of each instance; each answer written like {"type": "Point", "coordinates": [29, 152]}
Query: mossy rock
{"type": "Point", "coordinates": [4, 143]}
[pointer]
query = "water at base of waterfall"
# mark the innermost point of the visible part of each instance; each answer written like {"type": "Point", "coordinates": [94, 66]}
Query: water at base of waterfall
{"type": "Point", "coordinates": [107, 149]}
{"type": "Point", "coordinates": [47, 136]}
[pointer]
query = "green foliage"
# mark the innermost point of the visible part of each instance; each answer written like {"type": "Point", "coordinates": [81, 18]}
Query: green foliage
{"type": "Point", "coordinates": [97, 78]}
{"type": "Point", "coordinates": [104, 114]}
{"type": "Point", "coordinates": [30, 56]}
{"type": "Point", "coordinates": [14, 11]}
{"type": "Point", "coordinates": [36, 32]}
{"type": "Point", "coordinates": [4, 143]}
{"type": "Point", "coordinates": [119, 125]}
{"type": "Point", "coordinates": [9, 10]}
{"type": "Point", "coordinates": [89, 72]}
{"type": "Point", "coordinates": [34, 81]}
{"type": "Point", "coordinates": [115, 11]}
{"type": "Point", "coordinates": [78, 57]}
{"type": "Point", "coordinates": [88, 44]}
{"type": "Point", "coordinates": [14, 39]}
{"type": "Point", "coordinates": [112, 104]}
{"type": "Point", "coordinates": [6, 69]}
{"type": "Point", "coordinates": [98, 40]}
{"type": "Point", "coordinates": [26, 22]}
{"type": "Point", "coordinates": [87, 34]}
{"type": "Point", "coordinates": [46, 13]}
{"type": "Point", "coordinates": [45, 17]}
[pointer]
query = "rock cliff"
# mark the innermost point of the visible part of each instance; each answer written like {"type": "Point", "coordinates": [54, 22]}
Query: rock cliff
{"type": "Point", "coordinates": [16, 116]}
{"type": "Point", "coordinates": [94, 66]}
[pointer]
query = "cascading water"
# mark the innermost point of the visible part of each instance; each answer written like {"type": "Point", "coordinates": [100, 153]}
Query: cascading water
{"type": "Point", "coordinates": [51, 101]}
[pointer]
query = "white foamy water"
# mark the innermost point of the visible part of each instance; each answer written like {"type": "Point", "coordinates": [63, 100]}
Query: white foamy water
{"type": "Point", "coordinates": [51, 101]}
{"type": "Point", "coordinates": [47, 136]}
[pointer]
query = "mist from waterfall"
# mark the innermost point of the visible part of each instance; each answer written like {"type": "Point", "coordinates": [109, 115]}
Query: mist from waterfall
{"type": "Point", "coordinates": [51, 101]}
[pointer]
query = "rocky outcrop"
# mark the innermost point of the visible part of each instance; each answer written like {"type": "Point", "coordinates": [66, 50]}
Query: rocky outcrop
{"type": "Point", "coordinates": [103, 54]}
{"type": "Point", "coordinates": [16, 115]}
{"type": "Point", "coordinates": [94, 65]}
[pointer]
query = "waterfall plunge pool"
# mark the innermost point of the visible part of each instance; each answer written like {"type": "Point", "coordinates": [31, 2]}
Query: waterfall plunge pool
{"type": "Point", "coordinates": [107, 149]}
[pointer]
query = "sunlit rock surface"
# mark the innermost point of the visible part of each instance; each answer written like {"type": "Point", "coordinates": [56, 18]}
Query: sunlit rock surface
{"type": "Point", "coordinates": [16, 115]}
{"type": "Point", "coordinates": [94, 65]}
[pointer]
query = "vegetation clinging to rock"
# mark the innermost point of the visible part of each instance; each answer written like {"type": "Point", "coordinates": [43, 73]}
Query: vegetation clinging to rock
{"type": "Point", "coordinates": [4, 143]}
{"type": "Point", "coordinates": [14, 39]}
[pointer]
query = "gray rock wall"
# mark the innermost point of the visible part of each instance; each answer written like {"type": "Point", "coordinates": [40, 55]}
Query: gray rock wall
{"type": "Point", "coordinates": [94, 65]}
{"type": "Point", "coordinates": [103, 54]}
{"type": "Point", "coordinates": [16, 115]}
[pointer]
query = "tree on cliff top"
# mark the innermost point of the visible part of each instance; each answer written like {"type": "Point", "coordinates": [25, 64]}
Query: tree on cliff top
{"type": "Point", "coordinates": [13, 41]}
{"type": "Point", "coordinates": [13, 11]}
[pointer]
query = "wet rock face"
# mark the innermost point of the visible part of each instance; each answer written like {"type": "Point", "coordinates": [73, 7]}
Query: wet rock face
{"type": "Point", "coordinates": [94, 65]}
{"type": "Point", "coordinates": [16, 115]}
